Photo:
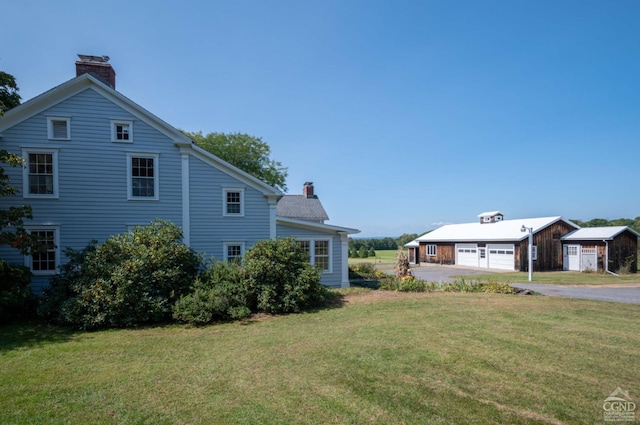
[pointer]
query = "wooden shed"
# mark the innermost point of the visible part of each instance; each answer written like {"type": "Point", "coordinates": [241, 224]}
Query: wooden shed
{"type": "Point", "coordinates": [611, 249]}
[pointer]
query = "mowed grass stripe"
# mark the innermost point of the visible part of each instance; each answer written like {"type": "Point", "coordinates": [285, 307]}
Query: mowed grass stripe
{"type": "Point", "coordinates": [383, 358]}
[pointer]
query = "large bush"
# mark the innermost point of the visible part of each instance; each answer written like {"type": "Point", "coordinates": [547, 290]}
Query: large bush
{"type": "Point", "coordinates": [16, 300]}
{"type": "Point", "coordinates": [130, 279]}
{"type": "Point", "coordinates": [280, 278]}
{"type": "Point", "coordinates": [220, 293]}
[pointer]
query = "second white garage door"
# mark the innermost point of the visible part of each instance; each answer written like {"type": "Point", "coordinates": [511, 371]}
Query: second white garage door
{"type": "Point", "coordinates": [467, 255]}
{"type": "Point", "coordinates": [501, 256]}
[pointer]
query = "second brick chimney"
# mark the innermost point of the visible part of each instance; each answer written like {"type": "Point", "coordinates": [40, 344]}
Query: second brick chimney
{"type": "Point", "coordinates": [98, 66]}
{"type": "Point", "coordinates": [307, 190]}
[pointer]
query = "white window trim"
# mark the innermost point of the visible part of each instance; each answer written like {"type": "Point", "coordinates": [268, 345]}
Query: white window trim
{"type": "Point", "coordinates": [56, 240]}
{"type": "Point", "coordinates": [114, 123]}
{"type": "Point", "coordinates": [227, 244]}
{"type": "Point", "coordinates": [432, 250]}
{"type": "Point", "coordinates": [226, 190]}
{"type": "Point", "coordinates": [50, 120]}
{"type": "Point", "coordinates": [25, 173]}
{"type": "Point", "coordinates": [156, 177]}
{"type": "Point", "coordinates": [312, 251]}
{"type": "Point", "coordinates": [534, 252]}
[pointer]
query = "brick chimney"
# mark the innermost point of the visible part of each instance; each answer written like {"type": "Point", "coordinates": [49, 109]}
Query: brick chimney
{"type": "Point", "coordinates": [98, 66]}
{"type": "Point", "coordinates": [307, 190]}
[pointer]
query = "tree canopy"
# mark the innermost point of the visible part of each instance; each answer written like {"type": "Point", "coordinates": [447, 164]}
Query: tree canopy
{"type": "Point", "coordinates": [249, 153]}
{"type": "Point", "coordinates": [12, 231]}
{"type": "Point", "coordinates": [9, 97]}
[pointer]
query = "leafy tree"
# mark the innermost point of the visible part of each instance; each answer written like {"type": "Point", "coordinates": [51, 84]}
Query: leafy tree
{"type": "Point", "coordinates": [12, 219]}
{"type": "Point", "coordinates": [405, 238]}
{"type": "Point", "coordinates": [249, 153]}
{"type": "Point", "coordinates": [9, 97]}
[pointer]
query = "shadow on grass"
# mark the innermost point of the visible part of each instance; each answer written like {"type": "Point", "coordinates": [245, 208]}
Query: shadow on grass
{"type": "Point", "coordinates": [366, 283]}
{"type": "Point", "coordinates": [28, 334]}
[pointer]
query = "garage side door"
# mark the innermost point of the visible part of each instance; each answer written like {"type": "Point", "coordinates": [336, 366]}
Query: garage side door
{"type": "Point", "coordinates": [467, 255]}
{"type": "Point", "coordinates": [501, 256]}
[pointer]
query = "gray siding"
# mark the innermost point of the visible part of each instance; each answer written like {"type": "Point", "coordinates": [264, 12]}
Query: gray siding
{"type": "Point", "coordinates": [209, 228]}
{"type": "Point", "coordinates": [92, 174]}
{"type": "Point", "coordinates": [333, 279]}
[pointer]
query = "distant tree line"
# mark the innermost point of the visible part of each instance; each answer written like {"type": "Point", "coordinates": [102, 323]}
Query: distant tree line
{"type": "Point", "coordinates": [363, 248]}
{"type": "Point", "coordinates": [633, 223]}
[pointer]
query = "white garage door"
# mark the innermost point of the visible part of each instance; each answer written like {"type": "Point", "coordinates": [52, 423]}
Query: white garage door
{"type": "Point", "coordinates": [501, 257]}
{"type": "Point", "coordinates": [467, 255]}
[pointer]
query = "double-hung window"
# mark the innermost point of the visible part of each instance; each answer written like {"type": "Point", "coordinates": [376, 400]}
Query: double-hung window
{"type": "Point", "coordinates": [233, 251]}
{"type": "Point", "coordinates": [233, 202]}
{"type": "Point", "coordinates": [59, 128]}
{"type": "Point", "coordinates": [319, 252]}
{"type": "Point", "coordinates": [45, 261]}
{"type": "Point", "coordinates": [142, 176]}
{"type": "Point", "coordinates": [122, 131]}
{"type": "Point", "coordinates": [40, 174]}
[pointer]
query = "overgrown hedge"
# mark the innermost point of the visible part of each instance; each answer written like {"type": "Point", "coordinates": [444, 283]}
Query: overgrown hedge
{"type": "Point", "coordinates": [149, 276]}
{"type": "Point", "coordinates": [131, 279]}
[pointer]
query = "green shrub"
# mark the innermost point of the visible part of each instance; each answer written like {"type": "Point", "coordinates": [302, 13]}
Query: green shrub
{"type": "Point", "coordinates": [497, 288]}
{"type": "Point", "coordinates": [407, 284]}
{"type": "Point", "coordinates": [280, 278]}
{"type": "Point", "coordinates": [16, 299]}
{"type": "Point", "coordinates": [363, 252]}
{"type": "Point", "coordinates": [461, 285]}
{"type": "Point", "coordinates": [130, 279]}
{"type": "Point", "coordinates": [220, 293]}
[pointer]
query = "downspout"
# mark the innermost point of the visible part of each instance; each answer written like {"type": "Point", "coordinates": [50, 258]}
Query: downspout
{"type": "Point", "coordinates": [606, 258]}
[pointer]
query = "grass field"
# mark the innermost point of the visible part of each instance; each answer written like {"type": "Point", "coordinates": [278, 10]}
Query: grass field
{"type": "Point", "coordinates": [382, 358]}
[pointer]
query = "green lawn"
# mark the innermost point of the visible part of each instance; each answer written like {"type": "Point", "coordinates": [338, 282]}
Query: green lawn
{"type": "Point", "coordinates": [384, 259]}
{"type": "Point", "coordinates": [561, 278]}
{"type": "Point", "coordinates": [382, 358]}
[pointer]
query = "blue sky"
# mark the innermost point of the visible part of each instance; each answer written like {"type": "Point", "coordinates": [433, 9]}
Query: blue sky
{"type": "Point", "coordinates": [404, 114]}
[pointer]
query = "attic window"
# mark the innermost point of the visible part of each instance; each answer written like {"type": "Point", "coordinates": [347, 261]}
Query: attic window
{"type": "Point", "coordinates": [122, 131]}
{"type": "Point", "coordinates": [59, 128]}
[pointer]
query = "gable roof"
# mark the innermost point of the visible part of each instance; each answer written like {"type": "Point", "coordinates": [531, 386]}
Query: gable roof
{"type": "Point", "coordinates": [301, 207]}
{"type": "Point", "coordinates": [76, 85]}
{"type": "Point", "coordinates": [506, 230]}
{"type": "Point", "coordinates": [84, 82]}
{"type": "Point", "coordinates": [597, 233]}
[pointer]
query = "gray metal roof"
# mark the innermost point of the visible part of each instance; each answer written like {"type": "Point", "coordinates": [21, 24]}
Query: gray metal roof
{"type": "Point", "coordinates": [596, 233]}
{"type": "Point", "coordinates": [302, 208]}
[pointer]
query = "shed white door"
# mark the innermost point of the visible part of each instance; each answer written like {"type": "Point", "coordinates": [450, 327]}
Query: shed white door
{"type": "Point", "coordinates": [589, 261]}
{"type": "Point", "coordinates": [571, 257]}
{"type": "Point", "coordinates": [501, 256]}
{"type": "Point", "coordinates": [467, 255]}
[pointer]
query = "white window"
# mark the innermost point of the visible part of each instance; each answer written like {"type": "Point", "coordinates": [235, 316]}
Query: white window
{"type": "Point", "coordinates": [319, 252]}
{"type": "Point", "coordinates": [59, 128]}
{"type": "Point", "coordinates": [40, 174]}
{"type": "Point", "coordinates": [142, 176]}
{"type": "Point", "coordinates": [46, 261]}
{"type": "Point", "coordinates": [233, 202]}
{"type": "Point", "coordinates": [233, 251]}
{"type": "Point", "coordinates": [122, 131]}
{"type": "Point", "coordinates": [432, 250]}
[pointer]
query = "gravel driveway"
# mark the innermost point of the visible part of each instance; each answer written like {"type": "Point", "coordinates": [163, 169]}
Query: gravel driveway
{"type": "Point", "coordinates": [626, 293]}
